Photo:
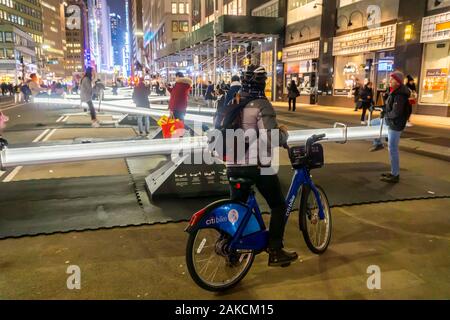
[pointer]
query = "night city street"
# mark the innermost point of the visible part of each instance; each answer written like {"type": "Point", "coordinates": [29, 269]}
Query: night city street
{"type": "Point", "coordinates": [228, 150]}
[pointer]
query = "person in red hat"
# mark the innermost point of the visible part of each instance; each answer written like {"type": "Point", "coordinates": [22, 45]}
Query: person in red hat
{"type": "Point", "coordinates": [396, 112]}
{"type": "Point", "coordinates": [179, 94]}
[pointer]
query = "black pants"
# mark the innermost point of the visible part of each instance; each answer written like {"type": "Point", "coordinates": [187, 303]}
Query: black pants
{"type": "Point", "coordinates": [293, 101]}
{"type": "Point", "coordinates": [270, 188]}
{"type": "Point", "coordinates": [177, 114]}
{"type": "Point", "coordinates": [92, 110]}
{"type": "Point", "coordinates": [364, 111]}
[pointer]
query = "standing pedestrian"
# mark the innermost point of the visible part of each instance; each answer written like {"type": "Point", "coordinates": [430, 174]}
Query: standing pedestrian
{"type": "Point", "coordinates": [34, 86]}
{"type": "Point", "coordinates": [355, 94]}
{"type": "Point", "coordinates": [293, 93]}
{"type": "Point", "coordinates": [179, 94]}
{"type": "Point", "coordinates": [17, 94]}
{"type": "Point", "coordinates": [209, 94]}
{"type": "Point", "coordinates": [140, 97]}
{"type": "Point", "coordinates": [366, 98]}
{"type": "Point", "coordinates": [221, 105]}
{"type": "Point", "coordinates": [411, 84]}
{"type": "Point", "coordinates": [396, 115]}
{"type": "Point", "coordinates": [86, 95]}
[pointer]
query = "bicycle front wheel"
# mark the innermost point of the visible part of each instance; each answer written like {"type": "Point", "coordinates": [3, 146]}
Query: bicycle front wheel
{"type": "Point", "coordinates": [316, 232]}
{"type": "Point", "coordinates": [211, 265]}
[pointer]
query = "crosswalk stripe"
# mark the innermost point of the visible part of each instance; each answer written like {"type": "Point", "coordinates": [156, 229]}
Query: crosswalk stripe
{"type": "Point", "coordinates": [13, 173]}
{"type": "Point", "coordinates": [41, 136]}
{"type": "Point", "coordinates": [49, 135]}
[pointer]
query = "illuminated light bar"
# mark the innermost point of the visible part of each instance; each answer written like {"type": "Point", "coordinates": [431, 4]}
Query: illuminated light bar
{"type": "Point", "coordinates": [116, 106]}
{"type": "Point", "coordinates": [12, 157]}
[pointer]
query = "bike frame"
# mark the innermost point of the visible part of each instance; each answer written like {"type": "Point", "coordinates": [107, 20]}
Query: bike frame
{"type": "Point", "coordinates": [301, 178]}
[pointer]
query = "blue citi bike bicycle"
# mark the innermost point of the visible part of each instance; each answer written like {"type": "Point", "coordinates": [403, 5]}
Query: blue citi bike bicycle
{"type": "Point", "coordinates": [225, 237]}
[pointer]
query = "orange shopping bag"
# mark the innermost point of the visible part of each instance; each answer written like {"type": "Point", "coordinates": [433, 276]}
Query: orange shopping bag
{"type": "Point", "coordinates": [171, 128]}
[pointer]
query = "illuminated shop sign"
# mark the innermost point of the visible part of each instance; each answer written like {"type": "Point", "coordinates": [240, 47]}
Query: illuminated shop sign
{"type": "Point", "coordinates": [306, 51]}
{"type": "Point", "coordinates": [435, 28]}
{"type": "Point", "coordinates": [365, 41]}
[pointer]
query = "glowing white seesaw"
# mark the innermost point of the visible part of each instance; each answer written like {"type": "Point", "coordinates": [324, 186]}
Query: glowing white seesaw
{"type": "Point", "coordinates": [12, 157]}
{"type": "Point", "coordinates": [119, 107]}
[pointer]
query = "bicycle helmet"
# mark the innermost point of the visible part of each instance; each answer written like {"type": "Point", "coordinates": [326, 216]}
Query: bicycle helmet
{"type": "Point", "coordinates": [254, 80]}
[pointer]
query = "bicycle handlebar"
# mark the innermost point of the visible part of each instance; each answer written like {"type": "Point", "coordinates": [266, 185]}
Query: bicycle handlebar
{"type": "Point", "coordinates": [311, 140]}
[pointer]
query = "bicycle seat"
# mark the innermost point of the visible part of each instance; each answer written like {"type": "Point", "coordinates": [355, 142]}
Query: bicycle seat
{"type": "Point", "coordinates": [239, 183]}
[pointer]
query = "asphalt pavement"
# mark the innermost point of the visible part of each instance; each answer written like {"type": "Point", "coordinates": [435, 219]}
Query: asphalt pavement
{"type": "Point", "coordinates": [407, 240]}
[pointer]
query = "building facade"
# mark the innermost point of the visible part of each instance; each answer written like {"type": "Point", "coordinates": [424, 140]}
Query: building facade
{"type": "Point", "coordinates": [54, 40]}
{"type": "Point", "coordinates": [17, 54]}
{"type": "Point", "coordinates": [77, 38]}
{"type": "Point", "coordinates": [434, 85]}
{"type": "Point", "coordinates": [26, 15]}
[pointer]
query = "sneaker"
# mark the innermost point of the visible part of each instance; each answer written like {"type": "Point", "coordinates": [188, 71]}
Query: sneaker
{"type": "Point", "coordinates": [95, 124]}
{"type": "Point", "coordinates": [363, 123]}
{"type": "Point", "coordinates": [391, 179]}
{"type": "Point", "coordinates": [409, 124]}
{"type": "Point", "coordinates": [376, 148]}
{"type": "Point", "coordinates": [386, 175]}
{"type": "Point", "coordinates": [281, 258]}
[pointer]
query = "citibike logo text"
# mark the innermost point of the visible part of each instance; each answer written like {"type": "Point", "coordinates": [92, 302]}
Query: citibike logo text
{"type": "Point", "coordinates": [216, 220]}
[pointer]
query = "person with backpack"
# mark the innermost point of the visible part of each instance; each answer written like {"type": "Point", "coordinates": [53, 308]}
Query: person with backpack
{"type": "Point", "coordinates": [396, 113]}
{"type": "Point", "coordinates": [293, 93]}
{"type": "Point", "coordinates": [140, 97]}
{"type": "Point", "coordinates": [252, 112]}
{"type": "Point", "coordinates": [235, 87]}
{"type": "Point", "coordinates": [86, 95]}
{"type": "Point", "coordinates": [179, 95]}
{"type": "Point", "coordinates": [366, 98]}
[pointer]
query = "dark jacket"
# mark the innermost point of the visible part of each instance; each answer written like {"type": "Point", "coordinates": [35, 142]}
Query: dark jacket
{"type": "Point", "coordinates": [234, 89]}
{"type": "Point", "coordinates": [355, 92]}
{"type": "Point", "coordinates": [209, 92]}
{"type": "Point", "coordinates": [366, 96]}
{"type": "Point", "coordinates": [221, 105]}
{"type": "Point", "coordinates": [293, 92]}
{"type": "Point", "coordinates": [397, 108]}
{"type": "Point", "coordinates": [179, 94]}
{"type": "Point", "coordinates": [140, 96]}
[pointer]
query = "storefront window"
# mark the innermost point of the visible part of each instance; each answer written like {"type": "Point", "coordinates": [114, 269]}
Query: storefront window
{"type": "Point", "coordinates": [435, 73]}
{"type": "Point", "coordinates": [348, 70]}
{"type": "Point", "coordinates": [267, 62]}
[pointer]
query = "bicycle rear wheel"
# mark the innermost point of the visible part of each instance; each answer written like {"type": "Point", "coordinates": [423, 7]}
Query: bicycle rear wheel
{"type": "Point", "coordinates": [211, 265]}
{"type": "Point", "coordinates": [316, 232]}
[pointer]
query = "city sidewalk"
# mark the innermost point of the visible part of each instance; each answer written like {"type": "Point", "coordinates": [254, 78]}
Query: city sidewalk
{"type": "Point", "coordinates": [416, 119]}
{"type": "Point", "coordinates": [429, 135]}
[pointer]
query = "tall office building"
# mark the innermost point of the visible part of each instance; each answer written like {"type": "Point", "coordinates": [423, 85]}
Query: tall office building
{"type": "Point", "coordinates": [137, 37]}
{"type": "Point", "coordinates": [100, 35]}
{"type": "Point", "coordinates": [117, 37]}
{"type": "Point", "coordinates": [127, 46]}
{"type": "Point", "coordinates": [105, 42]}
{"type": "Point", "coordinates": [54, 40]}
{"type": "Point", "coordinates": [78, 53]}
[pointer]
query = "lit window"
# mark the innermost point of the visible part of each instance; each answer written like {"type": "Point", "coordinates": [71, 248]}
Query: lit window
{"type": "Point", "coordinates": [174, 8]}
{"type": "Point", "coordinates": [182, 8]}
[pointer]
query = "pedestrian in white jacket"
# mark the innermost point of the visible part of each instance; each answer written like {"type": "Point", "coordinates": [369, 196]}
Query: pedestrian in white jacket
{"type": "Point", "coordinates": [86, 95]}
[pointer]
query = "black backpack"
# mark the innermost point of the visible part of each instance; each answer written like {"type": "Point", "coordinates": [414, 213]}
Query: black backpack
{"type": "Point", "coordinates": [228, 118]}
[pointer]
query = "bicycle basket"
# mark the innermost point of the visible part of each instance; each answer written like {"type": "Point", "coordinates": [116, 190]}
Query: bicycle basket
{"type": "Point", "coordinates": [315, 160]}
